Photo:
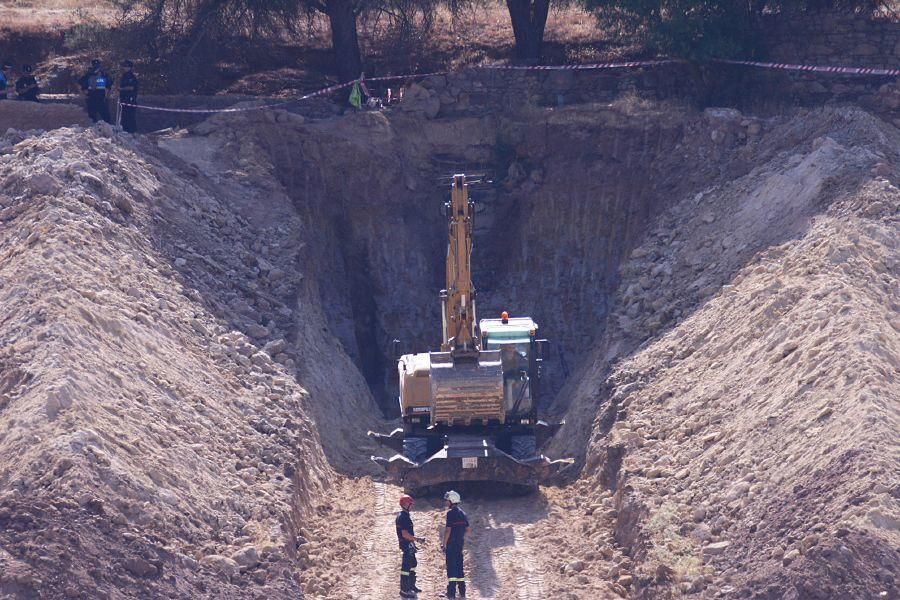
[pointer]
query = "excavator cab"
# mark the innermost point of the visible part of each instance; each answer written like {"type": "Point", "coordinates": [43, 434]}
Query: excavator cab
{"type": "Point", "coordinates": [521, 358]}
{"type": "Point", "coordinates": [469, 410]}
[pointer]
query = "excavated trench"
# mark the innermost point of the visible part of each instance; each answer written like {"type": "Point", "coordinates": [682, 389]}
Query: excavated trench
{"type": "Point", "coordinates": [321, 270]}
{"type": "Point", "coordinates": [564, 195]}
{"type": "Point", "coordinates": [570, 198]}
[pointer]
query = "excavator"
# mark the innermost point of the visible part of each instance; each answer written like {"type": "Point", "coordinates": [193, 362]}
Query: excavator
{"type": "Point", "coordinates": [469, 410]}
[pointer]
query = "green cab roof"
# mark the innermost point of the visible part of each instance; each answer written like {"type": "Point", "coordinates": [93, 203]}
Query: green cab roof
{"type": "Point", "coordinates": [502, 340]}
{"type": "Point", "coordinates": [515, 327]}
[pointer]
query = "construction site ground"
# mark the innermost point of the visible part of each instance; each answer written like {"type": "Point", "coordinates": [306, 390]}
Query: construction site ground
{"type": "Point", "coordinates": [196, 334]}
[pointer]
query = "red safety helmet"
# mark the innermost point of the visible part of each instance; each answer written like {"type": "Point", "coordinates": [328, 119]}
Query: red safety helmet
{"type": "Point", "coordinates": [406, 501]}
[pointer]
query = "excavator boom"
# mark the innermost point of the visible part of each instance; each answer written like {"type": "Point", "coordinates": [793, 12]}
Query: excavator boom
{"type": "Point", "coordinates": [458, 299]}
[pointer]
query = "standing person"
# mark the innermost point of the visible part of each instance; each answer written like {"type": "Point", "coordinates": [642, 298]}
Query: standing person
{"type": "Point", "coordinates": [128, 91]}
{"type": "Point", "coordinates": [94, 84]}
{"type": "Point", "coordinates": [452, 544]}
{"type": "Point", "coordinates": [406, 535]}
{"type": "Point", "coordinates": [5, 79]}
{"type": "Point", "coordinates": [26, 85]}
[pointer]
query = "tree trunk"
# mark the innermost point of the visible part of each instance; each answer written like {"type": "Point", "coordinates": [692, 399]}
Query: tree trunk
{"type": "Point", "coordinates": [528, 17]}
{"type": "Point", "coordinates": [344, 40]}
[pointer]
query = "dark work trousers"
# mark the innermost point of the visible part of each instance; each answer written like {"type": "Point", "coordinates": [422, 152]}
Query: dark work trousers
{"type": "Point", "coordinates": [455, 575]}
{"type": "Point", "coordinates": [96, 106]}
{"type": "Point", "coordinates": [129, 114]}
{"type": "Point", "coordinates": [408, 569]}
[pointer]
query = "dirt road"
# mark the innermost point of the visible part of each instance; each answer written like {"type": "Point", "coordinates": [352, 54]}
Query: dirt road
{"type": "Point", "coordinates": [501, 560]}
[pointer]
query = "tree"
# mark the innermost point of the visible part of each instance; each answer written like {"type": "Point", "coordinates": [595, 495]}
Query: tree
{"type": "Point", "coordinates": [528, 18]}
{"type": "Point", "coordinates": [186, 28]}
{"type": "Point", "coordinates": [342, 18]}
{"type": "Point", "coordinates": [699, 29]}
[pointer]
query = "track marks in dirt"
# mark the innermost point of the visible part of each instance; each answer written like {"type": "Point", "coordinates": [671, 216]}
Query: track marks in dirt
{"type": "Point", "coordinates": [503, 562]}
{"type": "Point", "coordinates": [377, 568]}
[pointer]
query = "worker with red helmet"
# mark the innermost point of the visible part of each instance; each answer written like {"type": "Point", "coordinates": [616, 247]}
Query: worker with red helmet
{"type": "Point", "coordinates": [406, 535]}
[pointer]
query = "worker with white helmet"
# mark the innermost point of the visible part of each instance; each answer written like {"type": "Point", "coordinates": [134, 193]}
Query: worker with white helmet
{"type": "Point", "coordinates": [406, 535]}
{"type": "Point", "coordinates": [452, 544]}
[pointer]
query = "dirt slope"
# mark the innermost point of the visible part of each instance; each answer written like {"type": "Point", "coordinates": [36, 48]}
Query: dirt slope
{"type": "Point", "coordinates": [153, 442]}
{"type": "Point", "coordinates": [749, 429]}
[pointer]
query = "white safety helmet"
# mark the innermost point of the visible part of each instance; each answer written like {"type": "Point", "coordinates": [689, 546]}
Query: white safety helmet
{"type": "Point", "coordinates": [453, 497]}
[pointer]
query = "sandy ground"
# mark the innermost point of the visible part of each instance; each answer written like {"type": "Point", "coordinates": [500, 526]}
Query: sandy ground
{"type": "Point", "coordinates": [503, 559]}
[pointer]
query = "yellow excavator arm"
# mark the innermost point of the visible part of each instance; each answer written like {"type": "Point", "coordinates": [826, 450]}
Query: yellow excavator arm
{"type": "Point", "coordinates": [458, 299]}
{"type": "Point", "coordinates": [469, 411]}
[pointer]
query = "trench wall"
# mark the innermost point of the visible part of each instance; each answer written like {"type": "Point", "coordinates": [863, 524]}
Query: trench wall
{"type": "Point", "coordinates": [566, 193]}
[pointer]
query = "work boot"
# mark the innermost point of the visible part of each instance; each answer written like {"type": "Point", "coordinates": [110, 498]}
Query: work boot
{"type": "Point", "coordinates": [405, 586]}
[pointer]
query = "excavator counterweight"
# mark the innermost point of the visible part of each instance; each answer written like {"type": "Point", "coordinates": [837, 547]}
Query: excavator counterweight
{"type": "Point", "coordinates": [469, 411]}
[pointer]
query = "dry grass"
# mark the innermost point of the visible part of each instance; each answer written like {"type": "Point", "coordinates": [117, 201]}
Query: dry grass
{"type": "Point", "coordinates": [42, 15]}
{"type": "Point", "coordinates": [669, 547]}
{"type": "Point", "coordinates": [469, 38]}
{"type": "Point", "coordinates": [485, 35]}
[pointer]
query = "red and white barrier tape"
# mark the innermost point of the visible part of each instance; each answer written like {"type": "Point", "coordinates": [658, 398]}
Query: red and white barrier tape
{"type": "Point", "coordinates": [813, 68]}
{"type": "Point", "coordinates": [322, 92]}
{"type": "Point", "coordinates": [582, 67]}
{"type": "Point", "coordinates": [398, 77]}
{"type": "Point", "coordinates": [204, 111]}
{"type": "Point", "coordinates": [610, 65]}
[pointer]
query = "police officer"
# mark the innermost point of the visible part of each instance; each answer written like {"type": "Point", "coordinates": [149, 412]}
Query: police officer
{"type": "Point", "coordinates": [5, 76]}
{"type": "Point", "coordinates": [407, 537]}
{"type": "Point", "coordinates": [128, 91]}
{"type": "Point", "coordinates": [26, 85]}
{"type": "Point", "coordinates": [94, 84]}
{"type": "Point", "coordinates": [452, 544]}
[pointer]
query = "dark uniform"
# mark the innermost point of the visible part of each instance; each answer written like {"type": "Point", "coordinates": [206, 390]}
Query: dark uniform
{"type": "Point", "coordinates": [128, 92]}
{"type": "Point", "coordinates": [457, 521]}
{"type": "Point", "coordinates": [409, 562]}
{"type": "Point", "coordinates": [96, 82]}
{"type": "Point", "coordinates": [4, 80]}
{"type": "Point", "coordinates": [27, 87]}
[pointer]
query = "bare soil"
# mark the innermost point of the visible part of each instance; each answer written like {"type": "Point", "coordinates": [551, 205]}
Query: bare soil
{"type": "Point", "coordinates": [196, 335]}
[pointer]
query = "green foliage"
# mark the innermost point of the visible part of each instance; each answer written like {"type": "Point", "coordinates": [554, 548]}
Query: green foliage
{"type": "Point", "coordinates": [699, 29]}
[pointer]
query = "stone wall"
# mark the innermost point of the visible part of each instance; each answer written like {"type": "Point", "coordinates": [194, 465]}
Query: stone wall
{"type": "Point", "coordinates": [826, 38]}
{"type": "Point", "coordinates": [831, 38]}
{"type": "Point", "coordinates": [484, 90]}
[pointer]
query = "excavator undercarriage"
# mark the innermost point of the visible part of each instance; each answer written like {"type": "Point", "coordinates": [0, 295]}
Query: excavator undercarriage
{"type": "Point", "coordinates": [469, 411]}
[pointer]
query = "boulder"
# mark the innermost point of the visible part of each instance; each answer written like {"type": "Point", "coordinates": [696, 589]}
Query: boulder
{"type": "Point", "coordinates": [419, 100]}
{"type": "Point", "coordinates": [140, 567]}
{"type": "Point", "coordinates": [246, 558]}
{"type": "Point", "coordinates": [224, 566]}
{"type": "Point", "coordinates": [716, 548]}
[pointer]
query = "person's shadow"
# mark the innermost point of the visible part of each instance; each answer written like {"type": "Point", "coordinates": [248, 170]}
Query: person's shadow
{"type": "Point", "coordinates": [492, 528]}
